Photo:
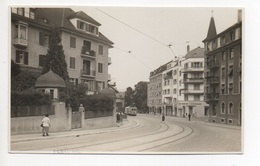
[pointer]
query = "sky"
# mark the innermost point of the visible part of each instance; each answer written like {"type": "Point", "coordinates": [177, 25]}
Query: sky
{"type": "Point", "coordinates": [141, 36]}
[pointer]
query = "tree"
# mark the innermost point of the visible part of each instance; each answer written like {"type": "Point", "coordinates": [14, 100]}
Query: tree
{"type": "Point", "coordinates": [140, 95]}
{"type": "Point", "coordinates": [55, 57]}
{"type": "Point", "coordinates": [129, 96]}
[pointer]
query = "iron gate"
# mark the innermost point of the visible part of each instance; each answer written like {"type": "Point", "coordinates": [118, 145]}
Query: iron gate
{"type": "Point", "coordinates": [76, 120]}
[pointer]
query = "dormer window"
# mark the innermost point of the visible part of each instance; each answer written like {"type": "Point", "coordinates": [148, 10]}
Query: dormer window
{"type": "Point", "coordinates": [89, 28]}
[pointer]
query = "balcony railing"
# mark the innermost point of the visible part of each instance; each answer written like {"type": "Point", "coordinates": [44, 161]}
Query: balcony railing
{"type": "Point", "coordinates": [85, 52]}
{"type": "Point", "coordinates": [20, 42]}
{"type": "Point", "coordinates": [193, 80]}
{"type": "Point", "coordinates": [193, 91]}
{"type": "Point", "coordinates": [89, 73]}
{"type": "Point", "coordinates": [213, 80]}
{"type": "Point", "coordinates": [193, 69]}
{"type": "Point", "coordinates": [211, 97]}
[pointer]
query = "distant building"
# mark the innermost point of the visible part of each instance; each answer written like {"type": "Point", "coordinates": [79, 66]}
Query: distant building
{"type": "Point", "coordinates": [154, 91]}
{"type": "Point", "coordinates": [223, 73]}
{"type": "Point", "coordinates": [85, 48]}
{"type": "Point", "coordinates": [177, 87]}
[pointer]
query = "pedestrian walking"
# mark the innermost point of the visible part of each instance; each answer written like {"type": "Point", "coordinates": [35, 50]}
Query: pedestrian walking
{"type": "Point", "coordinates": [163, 118]}
{"type": "Point", "coordinates": [46, 124]}
{"type": "Point", "coordinates": [117, 119]}
{"type": "Point", "coordinates": [189, 116]}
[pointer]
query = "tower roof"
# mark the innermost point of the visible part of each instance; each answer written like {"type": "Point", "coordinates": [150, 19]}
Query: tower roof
{"type": "Point", "coordinates": [212, 30]}
{"type": "Point", "coordinates": [50, 80]}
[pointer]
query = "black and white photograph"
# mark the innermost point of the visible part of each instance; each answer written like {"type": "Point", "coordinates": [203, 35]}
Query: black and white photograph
{"type": "Point", "coordinates": [126, 80]}
{"type": "Point", "coordinates": [129, 83]}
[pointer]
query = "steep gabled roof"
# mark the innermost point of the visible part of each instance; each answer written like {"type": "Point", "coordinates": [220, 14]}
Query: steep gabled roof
{"type": "Point", "coordinates": [60, 17]}
{"type": "Point", "coordinates": [212, 32]}
{"type": "Point", "coordinates": [83, 16]}
{"type": "Point", "coordinates": [195, 53]}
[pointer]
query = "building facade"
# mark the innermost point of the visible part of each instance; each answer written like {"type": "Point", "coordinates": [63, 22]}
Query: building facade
{"type": "Point", "coordinates": [154, 91]}
{"type": "Point", "coordinates": [223, 73]}
{"type": "Point", "coordinates": [193, 80]}
{"type": "Point", "coordinates": [85, 48]}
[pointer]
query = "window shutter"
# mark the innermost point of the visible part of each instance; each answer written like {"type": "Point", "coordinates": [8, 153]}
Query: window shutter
{"type": "Point", "coordinates": [25, 58]}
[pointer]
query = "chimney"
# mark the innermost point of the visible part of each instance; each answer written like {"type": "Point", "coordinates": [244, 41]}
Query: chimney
{"type": "Point", "coordinates": [239, 16]}
{"type": "Point", "coordinates": [188, 48]}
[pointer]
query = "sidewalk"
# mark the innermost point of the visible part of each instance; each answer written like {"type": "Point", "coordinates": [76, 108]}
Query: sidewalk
{"type": "Point", "coordinates": [127, 124]}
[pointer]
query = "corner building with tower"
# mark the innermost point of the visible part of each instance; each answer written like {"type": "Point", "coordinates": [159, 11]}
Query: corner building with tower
{"type": "Point", "coordinates": [223, 73]}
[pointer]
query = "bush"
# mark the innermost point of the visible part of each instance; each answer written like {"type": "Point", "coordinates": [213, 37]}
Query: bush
{"type": "Point", "coordinates": [99, 105]}
{"type": "Point", "coordinates": [30, 98]}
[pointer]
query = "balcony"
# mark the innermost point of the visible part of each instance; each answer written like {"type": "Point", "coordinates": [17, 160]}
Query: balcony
{"type": "Point", "coordinates": [193, 80]}
{"type": "Point", "coordinates": [193, 69]}
{"type": "Point", "coordinates": [86, 53]}
{"type": "Point", "coordinates": [211, 97]}
{"type": "Point", "coordinates": [213, 80]}
{"type": "Point", "coordinates": [19, 42]}
{"type": "Point", "coordinates": [212, 64]}
{"type": "Point", "coordinates": [193, 91]}
{"type": "Point", "coordinates": [109, 61]}
{"type": "Point", "coordinates": [88, 73]}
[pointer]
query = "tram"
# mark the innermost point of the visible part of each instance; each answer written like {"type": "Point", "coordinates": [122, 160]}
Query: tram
{"type": "Point", "coordinates": [131, 111]}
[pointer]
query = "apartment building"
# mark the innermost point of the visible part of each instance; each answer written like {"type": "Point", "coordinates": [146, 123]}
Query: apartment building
{"type": "Point", "coordinates": [182, 90]}
{"type": "Point", "coordinates": [193, 80]}
{"type": "Point", "coordinates": [223, 73]}
{"type": "Point", "coordinates": [85, 48]}
{"type": "Point", "coordinates": [154, 91]}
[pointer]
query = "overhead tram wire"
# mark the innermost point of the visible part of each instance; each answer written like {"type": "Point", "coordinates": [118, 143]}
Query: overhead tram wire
{"type": "Point", "coordinates": [158, 41]}
{"type": "Point", "coordinates": [130, 52]}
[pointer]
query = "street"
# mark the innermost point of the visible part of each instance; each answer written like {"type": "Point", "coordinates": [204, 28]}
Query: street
{"type": "Point", "coordinates": [147, 135]}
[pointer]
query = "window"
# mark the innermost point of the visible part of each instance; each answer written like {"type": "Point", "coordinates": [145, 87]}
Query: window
{"type": "Point", "coordinates": [100, 49]}
{"type": "Point", "coordinates": [223, 74]}
{"type": "Point", "coordinates": [72, 62]}
{"type": "Point", "coordinates": [100, 67]}
{"type": "Point", "coordinates": [52, 93]}
{"type": "Point", "coordinates": [214, 44]}
{"type": "Point", "coordinates": [196, 97]}
{"type": "Point", "coordinates": [180, 73]}
{"type": "Point", "coordinates": [21, 57]}
{"type": "Point", "coordinates": [80, 25]}
{"type": "Point", "coordinates": [174, 81]}
{"type": "Point", "coordinates": [32, 13]}
{"type": "Point", "coordinates": [232, 35]}
{"type": "Point", "coordinates": [174, 91]}
{"type": "Point", "coordinates": [196, 64]}
{"type": "Point", "coordinates": [214, 109]}
{"type": "Point", "coordinates": [20, 11]}
{"type": "Point", "coordinates": [43, 39]}
{"type": "Point", "coordinates": [230, 108]}
{"type": "Point", "coordinates": [41, 60]}
{"type": "Point", "coordinates": [174, 72]}
{"type": "Point", "coordinates": [231, 54]}
{"type": "Point", "coordinates": [72, 42]}
{"type": "Point", "coordinates": [223, 108]}
{"type": "Point", "coordinates": [230, 88]}
{"type": "Point", "coordinates": [196, 86]}
{"type": "Point", "coordinates": [223, 56]}
{"type": "Point", "coordinates": [100, 85]}
{"type": "Point", "coordinates": [222, 40]}
{"type": "Point", "coordinates": [223, 89]}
